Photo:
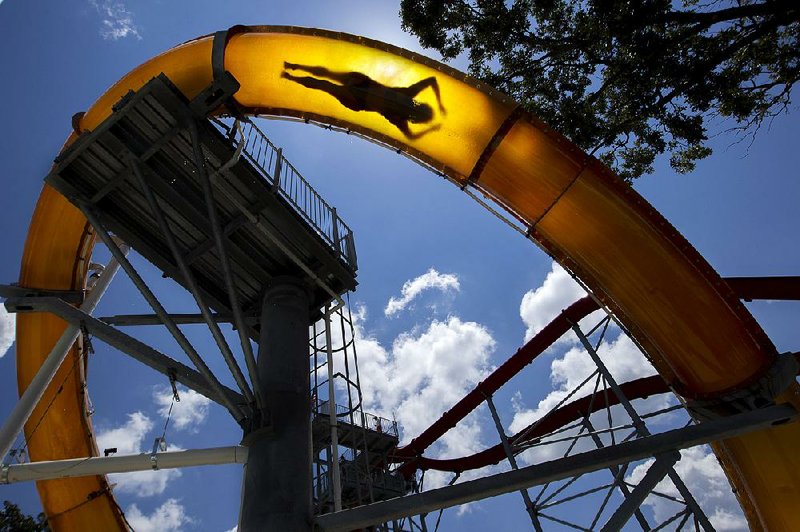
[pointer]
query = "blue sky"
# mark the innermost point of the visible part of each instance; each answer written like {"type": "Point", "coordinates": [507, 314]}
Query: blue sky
{"type": "Point", "coordinates": [739, 208]}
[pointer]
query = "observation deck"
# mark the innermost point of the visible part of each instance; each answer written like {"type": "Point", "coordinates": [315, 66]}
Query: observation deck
{"type": "Point", "coordinates": [355, 429]}
{"type": "Point", "coordinates": [271, 221]}
{"type": "Point", "coordinates": [369, 440]}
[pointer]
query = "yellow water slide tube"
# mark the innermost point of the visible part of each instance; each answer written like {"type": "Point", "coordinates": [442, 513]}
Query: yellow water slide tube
{"type": "Point", "coordinates": [695, 331]}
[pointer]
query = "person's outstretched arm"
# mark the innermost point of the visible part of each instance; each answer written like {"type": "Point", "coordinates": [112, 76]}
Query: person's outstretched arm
{"type": "Point", "coordinates": [420, 86]}
{"type": "Point", "coordinates": [403, 126]}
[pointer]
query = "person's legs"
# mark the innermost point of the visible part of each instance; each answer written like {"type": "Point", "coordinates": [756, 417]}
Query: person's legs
{"type": "Point", "coordinates": [337, 91]}
{"type": "Point", "coordinates": [345, 78]}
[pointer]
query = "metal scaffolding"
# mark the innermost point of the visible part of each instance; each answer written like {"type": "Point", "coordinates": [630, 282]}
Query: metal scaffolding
{"type": "Point", "coordinates": [350, 447]}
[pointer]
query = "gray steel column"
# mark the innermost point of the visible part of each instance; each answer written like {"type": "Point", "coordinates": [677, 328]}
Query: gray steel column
{"type": "Point", "coordinates": [526, 498]}
{"type": "Point", "coordinates": [655, 474]}
{"type": "Point", "coordinates": [277, 477]}
{"type": "Point", "coordinates": [615, 471]}
{"type": "Point", "coordinates": [336, 476]}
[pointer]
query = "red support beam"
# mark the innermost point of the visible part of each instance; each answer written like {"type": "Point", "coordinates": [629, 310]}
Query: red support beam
{"type": "Point", "coordinates": [524, 356]}
{"type": "Point", "coordinates": [785, 288]}
{"type": "Point", "coordinates": [569, 413]}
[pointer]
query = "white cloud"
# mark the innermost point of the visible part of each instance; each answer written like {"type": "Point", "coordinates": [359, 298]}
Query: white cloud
{"type": "Point", "coordinates": [8, 329]}
{"type": "Point", "coordinates": [130, 439]}
{"type": "Point", "coordinates": [432, 371]}
{"type": "Point", "coordinates": [431, 279]}
{"type": "Point", "coordinates": [117, 20]}
{"type": "Point", "coordinates": [168, 517]}
{"type": "Point", "coordinates": [558, 291]}
{"type": "Point", "coordinates": [702, 474]}
{"type": "Point", "coordinates": [424, 373]}
{"type": "Point", "coordinates": [126, 438]}
{"type": "Point", "coordinates": [143, 483]}
{"type": "Point", "coordinates": [373, 365]}
{"type": "Point", "coordinates": [187, 413]}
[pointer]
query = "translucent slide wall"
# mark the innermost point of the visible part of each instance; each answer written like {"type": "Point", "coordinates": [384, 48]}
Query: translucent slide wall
{"type": "Point", "coordinates": [698, 335]}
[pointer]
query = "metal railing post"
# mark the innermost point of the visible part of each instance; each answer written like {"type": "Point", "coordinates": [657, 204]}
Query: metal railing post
{"type": "Point", "coordinates": [276, 179]}
{"type": "Point", "coordinates": [352, 259]}
{"type": "Point", "coordinates": [335, 222]}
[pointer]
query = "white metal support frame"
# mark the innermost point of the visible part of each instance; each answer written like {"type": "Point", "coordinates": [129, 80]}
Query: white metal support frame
{"type": "Point", "coordinates": [35, 390]}
{"type": "Point", "coordinates": [336, 474]}
{"type": "Point", "coordinates": [104, 465]}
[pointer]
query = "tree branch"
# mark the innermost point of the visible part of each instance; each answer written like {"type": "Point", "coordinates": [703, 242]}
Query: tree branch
{"type": "Point", "coordinates": [786, 11]}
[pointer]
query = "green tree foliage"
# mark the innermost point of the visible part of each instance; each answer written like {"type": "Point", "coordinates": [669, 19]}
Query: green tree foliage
{"type": "Point", "coordinates": [627, 79]}
{"type": "Point", "coordinates": [13, 520]}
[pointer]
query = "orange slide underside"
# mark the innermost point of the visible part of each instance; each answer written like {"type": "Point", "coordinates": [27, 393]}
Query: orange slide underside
{"type": "Point", "coordinates": [698, 335]}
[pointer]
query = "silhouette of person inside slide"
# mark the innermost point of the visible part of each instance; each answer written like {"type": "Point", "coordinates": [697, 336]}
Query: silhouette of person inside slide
{"type": "Point", "coordinates": [359, 92]}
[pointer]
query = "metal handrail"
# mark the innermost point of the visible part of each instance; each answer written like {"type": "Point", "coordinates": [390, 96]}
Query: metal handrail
{"type": "Point", "coordinates": [368, 421]}
{"type": "Point", "coordinates": [287, 182]}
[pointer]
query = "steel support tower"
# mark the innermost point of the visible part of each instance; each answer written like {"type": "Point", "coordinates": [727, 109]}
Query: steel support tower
{"type": "Point", "coordinates": [221, 211]}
